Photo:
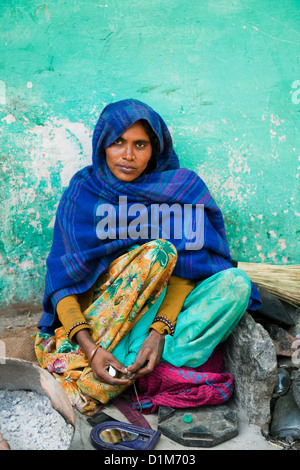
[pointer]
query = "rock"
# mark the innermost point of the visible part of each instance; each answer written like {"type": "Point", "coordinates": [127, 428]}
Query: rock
{"type": "Point", "coordinates": [283, 341]}
{"type": "Point", "coordinates": [295, 330]}
{"type": "Point", "coordinates": [296, 388]}
{"type": "Point", "coordinates": [272, 309]}
{"type": "Point", "coordinates": [250, 357]}
{"type": "Point", "coordinates": [286, 418]}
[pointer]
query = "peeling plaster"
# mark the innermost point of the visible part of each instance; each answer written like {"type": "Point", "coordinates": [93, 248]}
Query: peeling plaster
{"type": "Point", "coordinates": [9, 119]}
{"type": "Point", "coordinates": [61, 141]}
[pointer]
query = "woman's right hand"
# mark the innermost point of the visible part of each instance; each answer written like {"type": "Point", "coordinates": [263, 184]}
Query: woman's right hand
{"type": "Point", "coordinates": [100, 364]}
{"type": "Point", "coordinates": [101, 361]}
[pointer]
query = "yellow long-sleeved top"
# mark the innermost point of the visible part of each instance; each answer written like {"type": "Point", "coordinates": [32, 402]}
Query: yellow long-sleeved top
{"type": "Point", "coordinates": [70, 308]}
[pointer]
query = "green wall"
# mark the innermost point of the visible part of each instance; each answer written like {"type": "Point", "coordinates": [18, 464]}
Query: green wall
{"type": "Point", "coordinates": [224, 75]}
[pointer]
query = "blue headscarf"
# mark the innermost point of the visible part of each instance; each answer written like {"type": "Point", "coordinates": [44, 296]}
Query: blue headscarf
{"type": "Point", "coordinates": [78, 256]}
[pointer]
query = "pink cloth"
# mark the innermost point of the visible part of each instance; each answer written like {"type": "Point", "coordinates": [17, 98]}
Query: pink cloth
{"type": "Point", "coordinates": [183, 387]}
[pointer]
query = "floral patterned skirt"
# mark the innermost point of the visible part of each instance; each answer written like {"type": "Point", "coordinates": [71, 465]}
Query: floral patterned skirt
{"type": "Point", "coordinates": [127, 298]}
{"type": "Point", "coordinates": [131, 288]}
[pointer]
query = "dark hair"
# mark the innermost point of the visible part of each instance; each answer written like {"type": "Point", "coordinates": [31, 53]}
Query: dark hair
{"type": "Point", "coordinates": [154, 143]}
{"type": "Point", "coordinates": [152, 136]}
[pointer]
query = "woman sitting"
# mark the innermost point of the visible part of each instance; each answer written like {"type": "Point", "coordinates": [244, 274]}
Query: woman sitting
{"type": "Point", "coordinates": [140, 270]}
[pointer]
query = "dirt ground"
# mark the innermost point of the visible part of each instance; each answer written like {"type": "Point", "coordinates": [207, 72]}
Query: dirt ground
{"type": "Point", "coordinates": [12, 322]}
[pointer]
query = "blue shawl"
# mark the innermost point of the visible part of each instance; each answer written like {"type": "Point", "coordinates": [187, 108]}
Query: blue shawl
{"type": "Point", "coordinates": [78, 256]}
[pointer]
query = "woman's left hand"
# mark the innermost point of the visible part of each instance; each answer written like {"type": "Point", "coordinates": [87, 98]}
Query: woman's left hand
{"type": "Point", "coordinates": [148, 356]}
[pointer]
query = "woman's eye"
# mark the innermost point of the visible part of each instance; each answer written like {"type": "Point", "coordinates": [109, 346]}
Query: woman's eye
{"type": "Point", "coordinates": [140, 145]}
{"type": "Point", "coordinates": [118, 141]}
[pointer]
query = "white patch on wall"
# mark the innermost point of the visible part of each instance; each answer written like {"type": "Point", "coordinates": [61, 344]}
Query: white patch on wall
{"type": "Point", "coordinates": [262, 257]}
{"type": "Point", "coordinates": [231, 180]}
{"type": "Point", "coordinates": [27, 197]}
{"type": "Point", "coordinates": [273, 255]}
{"type": "Point", "coordinates": [281, 243]}
{"type": "Point", "coordinates": [2, 93]}
{"type": "Point", "coordinates": [9, 119]}
{"type": "Point", "coordinates": [52, 222]}
{"type": "Point", "coordinates": [61, 141]}
{"type": "Point", "coordinates": [272, 233]}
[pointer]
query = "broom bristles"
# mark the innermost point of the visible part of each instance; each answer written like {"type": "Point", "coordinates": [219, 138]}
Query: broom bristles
{"type": "Point", "coordinates": [281, 280]}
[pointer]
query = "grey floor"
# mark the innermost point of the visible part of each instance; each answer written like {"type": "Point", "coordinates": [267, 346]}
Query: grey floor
{"type": "Point", "coordinates": [248, 438]}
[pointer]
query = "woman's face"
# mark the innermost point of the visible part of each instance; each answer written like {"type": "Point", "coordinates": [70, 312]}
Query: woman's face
{"type": "Point", "coordinates": [129, 155]}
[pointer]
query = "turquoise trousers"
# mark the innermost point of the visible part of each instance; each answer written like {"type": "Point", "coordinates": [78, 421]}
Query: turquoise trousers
{"type": "Point", "coordinates": [208, 316]}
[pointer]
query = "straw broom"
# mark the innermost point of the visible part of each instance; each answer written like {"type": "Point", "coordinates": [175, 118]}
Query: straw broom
{"type": "Point", "coordinates": [281, 280]}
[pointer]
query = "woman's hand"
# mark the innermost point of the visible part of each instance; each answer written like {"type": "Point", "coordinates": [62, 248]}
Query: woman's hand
{"type": "Point", "coordinates": [101, 361]}
{"type": "Point", "coordinates": [100, 365]}
{"type": "Point", "coordinates": [148, 356]}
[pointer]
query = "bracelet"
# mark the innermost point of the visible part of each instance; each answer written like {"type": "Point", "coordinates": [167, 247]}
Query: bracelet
{"type": "Point", "coordinates": [92, 355]}
{"type": "Point", "coordinates": [167, 322]}
{"type": "Point", "coordinates": [75, 326]}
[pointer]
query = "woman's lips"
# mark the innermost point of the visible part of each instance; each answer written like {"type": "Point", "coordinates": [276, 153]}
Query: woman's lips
{"type": "Point", "coordinates": [126, 169]}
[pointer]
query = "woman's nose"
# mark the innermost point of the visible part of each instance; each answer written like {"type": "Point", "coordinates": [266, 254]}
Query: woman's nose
{"type": "Point", "coordinates": [128, 154]}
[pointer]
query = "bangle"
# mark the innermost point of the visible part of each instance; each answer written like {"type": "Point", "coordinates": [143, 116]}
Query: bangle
{"type": "Point", "coordinates": [92, 355]}
{"type": "Point", "coordinates": [167, 322]}
{"type": "Point", "coordinates": [75, 326]}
